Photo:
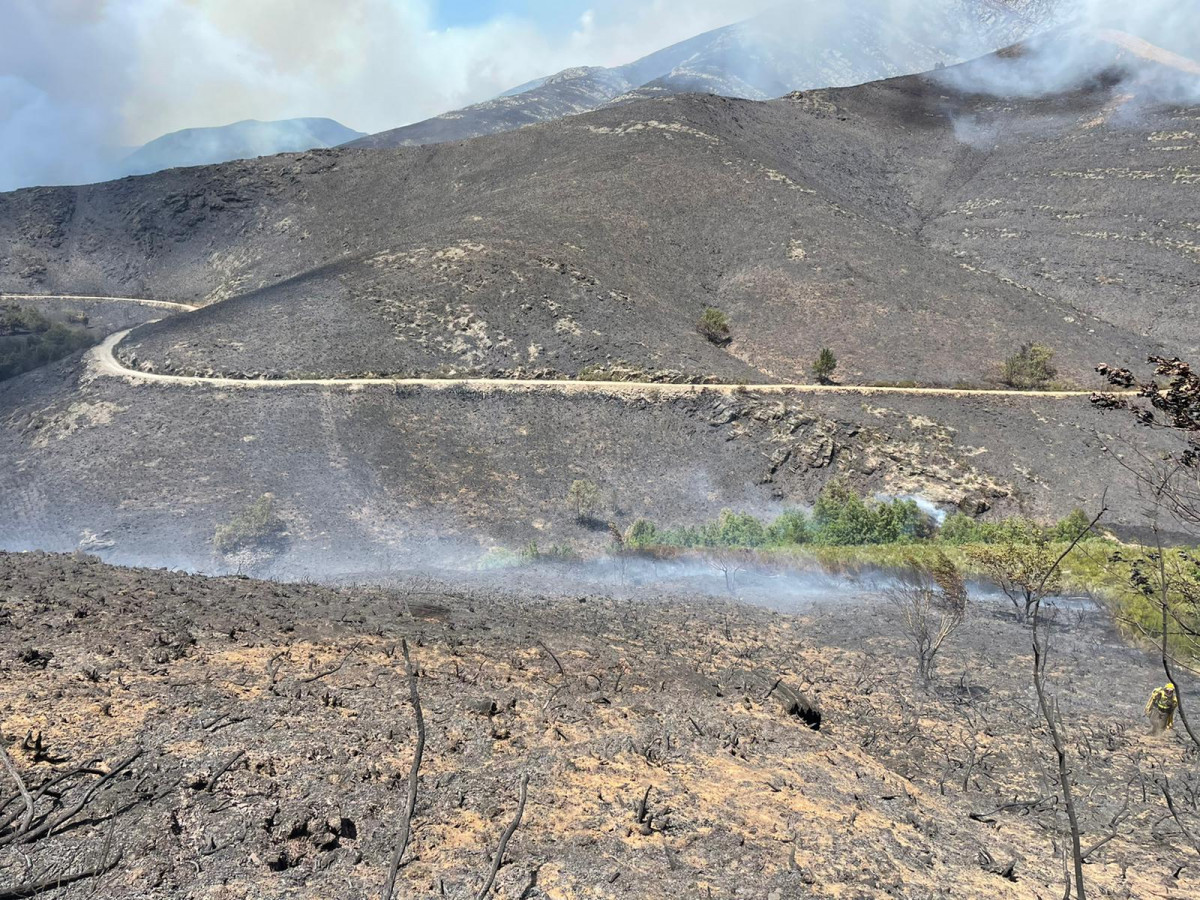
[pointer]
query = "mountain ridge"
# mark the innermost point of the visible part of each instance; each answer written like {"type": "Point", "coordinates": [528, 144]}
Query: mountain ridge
{"type": "Point", "coordinates": [920, 232]}
{"type": "Point", "coordinates": [755, 59]}
{"type": "Point", "coordinates": [244, 139]}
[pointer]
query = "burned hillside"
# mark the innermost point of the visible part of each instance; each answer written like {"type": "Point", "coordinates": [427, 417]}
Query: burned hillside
{"type": "Point", "coordinates": [267, 733]}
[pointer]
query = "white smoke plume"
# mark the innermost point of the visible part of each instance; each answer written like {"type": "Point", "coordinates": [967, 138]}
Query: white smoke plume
{"type": "Point", "coordinates": [82, 82]}
{"type": "Point", "coordinates": [1149, 47]}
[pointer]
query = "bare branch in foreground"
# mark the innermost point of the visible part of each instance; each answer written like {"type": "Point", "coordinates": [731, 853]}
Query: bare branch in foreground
{"type": "Point", "coordinates": [504, 838]}
{"type": "Point", "coordinates": [33, 888]}
{"type": "Point", "coordinates": [1051, 715]}
{"type": "Point", "coordinates": [24, 791]}
{"type": "Point", "coordinates": [406, 823]}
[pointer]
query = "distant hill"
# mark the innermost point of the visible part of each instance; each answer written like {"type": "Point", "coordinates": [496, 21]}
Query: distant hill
{"type": "Point", "coordinates": [241, 140]}
{"type": "Point", "coordinates": [793, 47]}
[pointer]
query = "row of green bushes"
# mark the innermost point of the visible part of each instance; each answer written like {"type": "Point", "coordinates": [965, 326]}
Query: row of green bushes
{"type": "Point", "coordinates": [28, 340]}
{"type": "Point", "coordinates": [842, 518]}
{"type": "Point", "coordinates": [962, 529]}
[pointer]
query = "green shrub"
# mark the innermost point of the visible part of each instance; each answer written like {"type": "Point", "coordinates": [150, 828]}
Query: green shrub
{"type": "Point", "coordinates": [531, 552]}
{"type": "Point", "coordinates": [959, 528]}
{"type": "Point", "coordinates": [642, 535]}
{"type": "Point", "coordinates": [249, 529]}
{"type": "Point", "coordinates": [28, 340]}
{"type": "Point", "coordinates": [499, 558]}
{"type": "Point", "coordinates": [714, 325]}
{"type": "Point", "coordinates": [824, 366]}
{"type": "Point", "coordinates": [739, 530]}
{"type": "Point", "coordinates": [1030, 369]}
{"type": "Point", "coordinates": [791, 527]}
{"type": "Point", "coordinates": [842, 517]}
{"type": "Point", "coordinates": [1070, 527]}
{"type": "Point", "coordinates": [15, 319]}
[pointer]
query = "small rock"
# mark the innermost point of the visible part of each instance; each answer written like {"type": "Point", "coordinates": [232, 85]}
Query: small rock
{"type": "Point", "coordinates": [974, 505]}
{"type": "Point", "coordinates": [487, 708]}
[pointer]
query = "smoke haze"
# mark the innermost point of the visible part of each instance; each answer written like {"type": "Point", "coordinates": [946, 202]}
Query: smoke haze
{"type": "Point", "coordinates": [1149, 47]}
{"type": "Point", "coordinates": [83, 82]}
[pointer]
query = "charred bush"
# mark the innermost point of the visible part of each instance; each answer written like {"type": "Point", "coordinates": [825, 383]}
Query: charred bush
{"type": "Point", "coordinates": [255, 527]}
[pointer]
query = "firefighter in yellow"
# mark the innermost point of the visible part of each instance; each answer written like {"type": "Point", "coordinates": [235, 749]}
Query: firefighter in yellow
{"type": "Point", "coordinates": [1161, 708]}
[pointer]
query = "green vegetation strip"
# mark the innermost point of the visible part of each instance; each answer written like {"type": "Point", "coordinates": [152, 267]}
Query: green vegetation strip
{"type": "Point", "coordinates": [846, 533]}
{"type": "Point", "coordinates": [29, 339]}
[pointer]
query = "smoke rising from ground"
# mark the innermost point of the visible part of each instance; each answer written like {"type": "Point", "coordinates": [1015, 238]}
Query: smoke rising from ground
{"type": "Point", "coordinates": [1149, 47]}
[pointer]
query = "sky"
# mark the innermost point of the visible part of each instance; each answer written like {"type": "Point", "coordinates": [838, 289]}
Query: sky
{"type": "Point", "coordinates": [131, 70]}
{"type": "Point", "coordinates": [549, 13]}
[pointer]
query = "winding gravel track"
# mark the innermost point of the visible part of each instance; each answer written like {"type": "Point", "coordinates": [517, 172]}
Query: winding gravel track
{"type": "Point", "coordinates": [160, 304]}
{"type": "Point", "coordinates": [102, 361]}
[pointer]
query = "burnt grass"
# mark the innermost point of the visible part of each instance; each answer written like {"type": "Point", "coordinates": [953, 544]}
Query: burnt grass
{"type": "Point", "coordinates": [269, 734]}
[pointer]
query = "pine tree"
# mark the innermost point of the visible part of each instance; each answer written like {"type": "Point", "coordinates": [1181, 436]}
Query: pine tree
{"type": "Point", "coordinates": [824, 366]}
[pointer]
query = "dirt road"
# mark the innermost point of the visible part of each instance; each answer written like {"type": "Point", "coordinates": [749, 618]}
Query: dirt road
{"type": "Point", "coordinates": [103, 362]}
{"type": "Point", "coordinates": [160, 304]}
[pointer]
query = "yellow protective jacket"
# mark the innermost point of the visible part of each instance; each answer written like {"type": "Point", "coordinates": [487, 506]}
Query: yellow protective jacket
{"type": "Point", "coordinates": [1168, 703]}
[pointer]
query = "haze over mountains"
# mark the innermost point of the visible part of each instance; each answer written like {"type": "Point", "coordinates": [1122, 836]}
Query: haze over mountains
{"type": "Point", "coordinates": [793, 47]}
{"type": "Point", "coordinates": [241, 140]}
{"type": "Point", "coordinates": [801, 44]}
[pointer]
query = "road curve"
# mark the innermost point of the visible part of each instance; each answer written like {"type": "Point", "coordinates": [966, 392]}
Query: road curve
{"type": "Point", "coordinates": [159, 304]}
{"type": "Point", "coordinates": [102, 361]}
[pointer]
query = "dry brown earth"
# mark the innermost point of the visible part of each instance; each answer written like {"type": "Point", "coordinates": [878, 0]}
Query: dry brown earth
{"type": "Point", "coordinates": [275, 736]}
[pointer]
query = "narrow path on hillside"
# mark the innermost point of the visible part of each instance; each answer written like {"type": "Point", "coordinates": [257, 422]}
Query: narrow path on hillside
{"type": "Point", "coordinates": [103, 361]}
{"type": "Point", "coordinates": [160, 304]}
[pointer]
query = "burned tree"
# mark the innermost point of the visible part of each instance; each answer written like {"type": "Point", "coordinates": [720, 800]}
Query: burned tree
{"type": "Point", "coordinates": [1048, 707]}
{"type": "Point", "coordinates": [932, 606]}
{"type": "Point", "coordinates": [1175, 407]}
{"type": "Point", "coordinates": [583, 499]}
{"type": "Point", "coordinates": [413, 775]}
{"type": "Point", "coordinates": [1024, 570]}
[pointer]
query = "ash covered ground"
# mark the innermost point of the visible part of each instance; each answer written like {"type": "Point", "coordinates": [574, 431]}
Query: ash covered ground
{"type": "Point", "coordinates": [267, 733]}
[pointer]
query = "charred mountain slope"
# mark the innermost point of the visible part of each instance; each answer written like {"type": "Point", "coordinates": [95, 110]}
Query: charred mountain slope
{"type": "Point", "coordinates": [270, 735]}
{"type": "Point", "coordinates": [415, 477]}
{"type": "Point", "coordinates": [795, 46]}
{"type": "Point", "coordinates": [859, 219]}
{"type": "Point", "coordinates": [836, 218]}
